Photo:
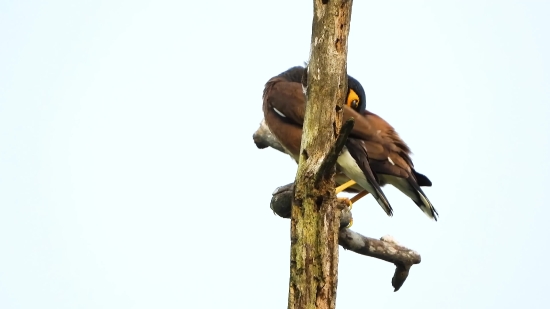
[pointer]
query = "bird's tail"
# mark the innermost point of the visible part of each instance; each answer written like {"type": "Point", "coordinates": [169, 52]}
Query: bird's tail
{"type": "Point", "coordinates": [381, 199]}
{"type": "Point", "coordinates": [410, 188]}
{"type": "Point", "coordinates": [425, 205]}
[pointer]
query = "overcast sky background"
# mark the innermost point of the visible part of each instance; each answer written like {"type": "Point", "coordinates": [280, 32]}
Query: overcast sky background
{"type": "Point", "coordinates": [129, 178]}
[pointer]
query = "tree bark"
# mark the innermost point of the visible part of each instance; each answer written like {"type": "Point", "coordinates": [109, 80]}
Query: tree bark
{"type": "Point", "coordinates": [385, 248]}
{"type": "Point", "coordinates": [315, 217]}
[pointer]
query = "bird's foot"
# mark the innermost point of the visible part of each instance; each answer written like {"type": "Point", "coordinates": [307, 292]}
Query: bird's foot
{"type": "Point", "coordinates": [346, 201]}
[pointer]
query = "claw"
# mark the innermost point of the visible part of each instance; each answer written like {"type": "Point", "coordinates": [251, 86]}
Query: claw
{"type": "Point", "coordinates": [347, 201]}
{"type": "Point", "coordinates": [350, 223]}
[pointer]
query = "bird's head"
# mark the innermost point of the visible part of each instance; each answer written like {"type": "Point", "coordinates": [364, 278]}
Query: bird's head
{"type": "Point", "coordinates": [356, 95]}
{"type": "Point", "coordinates": [355, 98]}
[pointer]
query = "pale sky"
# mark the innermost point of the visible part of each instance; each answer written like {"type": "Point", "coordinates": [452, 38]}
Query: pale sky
{"type": "Point", "coordinates": [129, 178]}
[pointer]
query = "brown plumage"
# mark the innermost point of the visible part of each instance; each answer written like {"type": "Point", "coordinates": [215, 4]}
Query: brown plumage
{"type": "Point", "coordinates": [373, 144]}
{"type": "Point", "coordinates": [388, 133]}
{"type": "Point", "coordinates": [391, 162]}
{"type": "Point", "coordinates": [284, 109]}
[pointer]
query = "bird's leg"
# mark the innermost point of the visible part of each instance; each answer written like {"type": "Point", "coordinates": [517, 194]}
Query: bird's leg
{"type": "Point", "coordinates": [345, 186]}
{"type": "Point", "coordinates": [358, 196]}
{"type": "Point", "coordinates": [354, 199]}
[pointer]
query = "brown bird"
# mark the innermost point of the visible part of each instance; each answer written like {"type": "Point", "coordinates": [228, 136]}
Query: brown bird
{"type": "Point", "coordinates": [284, 108]}
{"type": "Point", "coordinates": [393, 165]}
{"type": "Point", "coordinates": [388, 156]}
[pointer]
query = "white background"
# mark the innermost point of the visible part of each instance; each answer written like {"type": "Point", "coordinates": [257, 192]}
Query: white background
{"type": "Point", "coordinates": [129, 178]}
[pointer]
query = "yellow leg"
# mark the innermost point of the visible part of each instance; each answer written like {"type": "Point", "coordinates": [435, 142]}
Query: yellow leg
{"type": "Point", "coordinates": [350, 223]}
{"type": "Point", "coordinates": [345, 186]}
{"type": "Point", "coordinates": [354, 199]}
{"type": "Point", "coordinates": [359, 196]}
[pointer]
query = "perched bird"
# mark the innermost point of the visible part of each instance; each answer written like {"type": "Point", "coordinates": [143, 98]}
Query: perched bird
{"type": "Point", "coordinates": [388, 156]}
{"type": "Point", "coordinates": [284, 108]}
{"type": "Point", "coordinates": [393, 165]}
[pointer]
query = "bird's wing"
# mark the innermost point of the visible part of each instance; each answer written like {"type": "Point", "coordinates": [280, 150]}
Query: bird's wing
{"type": "Point", "coordinates": [286, 99]}
{"type": "Point", "coordinates": [391, 168]}
{"type": "Point", "coordinates": [388, 134]}
{"type": "Point", "coordinates": [358, 152]}
{"type": "Point", "coordinates": [398, 151]}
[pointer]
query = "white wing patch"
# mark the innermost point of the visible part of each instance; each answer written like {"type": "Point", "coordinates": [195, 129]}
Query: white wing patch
{"type": "Point", "coordinates": [278, 112]}
{"type": "Point", "coordinates": [389, 159]}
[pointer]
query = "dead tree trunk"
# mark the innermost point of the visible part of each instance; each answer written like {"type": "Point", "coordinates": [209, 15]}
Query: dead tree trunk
{"type": "Point", "coordinates": [315, 218]}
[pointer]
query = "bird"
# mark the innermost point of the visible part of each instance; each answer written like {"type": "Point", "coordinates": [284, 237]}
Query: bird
{"type": "Point", "coordinates": [284, 105]}
{"type": "Point", "coordinates": [389, 160]}
{"type": "Point", "coordinates": [393, 165]}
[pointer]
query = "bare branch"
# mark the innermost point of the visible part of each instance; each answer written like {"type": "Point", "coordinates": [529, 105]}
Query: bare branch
{"type": "Point", "coordinates": [385, 248]}
{"type": "Point", "coordinates": [282, 200]}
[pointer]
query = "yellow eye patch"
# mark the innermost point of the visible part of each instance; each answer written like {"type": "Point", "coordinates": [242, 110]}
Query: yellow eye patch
{"type": "Point", "coordinates": [353, 99]}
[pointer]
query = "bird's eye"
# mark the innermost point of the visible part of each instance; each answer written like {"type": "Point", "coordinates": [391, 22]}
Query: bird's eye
{"type": "Point", "coordinates": [352, 100]}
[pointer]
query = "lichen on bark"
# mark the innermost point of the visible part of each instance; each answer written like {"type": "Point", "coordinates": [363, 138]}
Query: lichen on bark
{"type": "Point", "coordinates": [315, 217]}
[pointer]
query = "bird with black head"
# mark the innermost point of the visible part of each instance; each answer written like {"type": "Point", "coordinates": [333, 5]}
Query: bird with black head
{"type": "Point", "coordinates": [284, 110]}
{"type": "Point", "coordinates": [373, 140]}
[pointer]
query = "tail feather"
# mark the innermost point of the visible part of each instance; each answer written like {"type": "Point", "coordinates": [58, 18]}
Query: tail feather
{"type": "Point", "coordinates": [425, 205]}
{"type": "Point", "coordinates": [411, 189]}
{"type": "Point", "coordinates": [378, 193]}
{"type": "Point", "coordinates": [421, 179]}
